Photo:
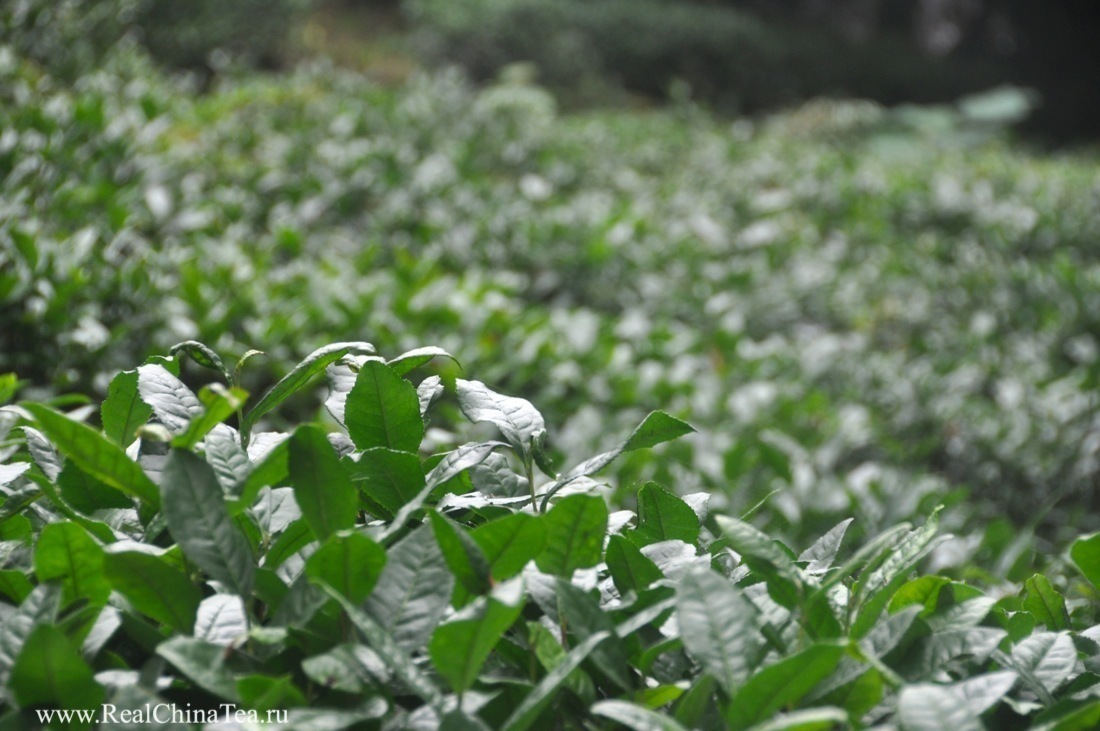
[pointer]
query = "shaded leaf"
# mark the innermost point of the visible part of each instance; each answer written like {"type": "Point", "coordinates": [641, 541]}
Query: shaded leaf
{"type": "Point", "coordinates": [199, 521]}
{"type": "Point", "coordinates": [154, 587]}
{"type": "Point", "coordinates": [95, 454]}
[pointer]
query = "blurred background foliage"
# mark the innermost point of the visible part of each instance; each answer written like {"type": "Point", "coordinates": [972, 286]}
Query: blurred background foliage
{"type": "Point", "coordinates": [866, 306]}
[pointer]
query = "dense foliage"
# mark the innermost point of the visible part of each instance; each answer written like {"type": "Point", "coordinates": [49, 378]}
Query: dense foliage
{"type": "Point", "coordinates": [348, 580]}
{"type": "Point", "coordinates": [866, 309]}
{"type": "Point", "coordinates": [864, 313]}
{"type": "Point", "coordinates": [733, 60]}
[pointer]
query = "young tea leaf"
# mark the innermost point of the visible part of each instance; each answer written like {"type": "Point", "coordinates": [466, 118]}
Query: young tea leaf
{"type": "Point", "coordinates": [383, 410]}
{"type": "Point", "coordinates": [575, 529]}
{"type": "Point", "coordinates": [350, 563]}
{"type": "Point", "coordinates": [314, 363]}
{"type": "Point", "coordinates": [123, 411]}
{"type": "Point", "coordinates": [321, 487]}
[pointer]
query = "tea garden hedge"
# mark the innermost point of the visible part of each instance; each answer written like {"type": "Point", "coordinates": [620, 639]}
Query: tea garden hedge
{"type": "Point", "coordinates": [879, 324]}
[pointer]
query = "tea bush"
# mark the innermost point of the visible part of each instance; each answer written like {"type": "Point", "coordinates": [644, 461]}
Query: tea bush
{"type": "Point", "coordinates": [866, 310]}
{"type": "Point", "coordinates": [367, 578]}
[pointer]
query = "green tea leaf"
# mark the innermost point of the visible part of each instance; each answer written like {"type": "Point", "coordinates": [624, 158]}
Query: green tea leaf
{"type": "Point", "coordinates": [663, 516]}
{"type": "Point", "coordinates": [462, 554]}
{"type": "Point", "coordinates": [575, 529]}
{"type": "Point", "coordinates": [518, 421]}
{"type": "Point", "coordinates": [154, 587]}
{"type": "Point", "coordinates": [321, 487]}
{"type": "Point", "coordinates": [199, 521]}
{"type": "Point", "coordinates": [528, 711]}
{"type": "Point", "coordinates": [635, 717]}
{"type": "Point", "coordinates": [350, 563]}
{"type": "Point", "coordinates": [1085, 552]}
{"type": "Point", "coordinates": [927, 707]}
{"type": "Point", "coordinates": [388, 478]}
{"type": "Point", "coordinates": [49, 671]}
{"type": "Point", "coordinates": [314, 363]}
{"type": "Point", "coordinates": [123, 411]}
{"type": "Point", "coordinates": [717, 624]}
{"type": "Point", "coordinates": [766, 558]}
{"type": "Point", "coordinates": [203, 663]}
{"type": "Point", "coordinates": [95, 454]}
{"type": "Point", "coordinates": [383, 410]}
{"type": "Point", "coordinates": [1045, 604]}
{"type": "Point", "coordinates": [810, 719]}
{"type": "Point", "coordinates": [783, 683]}
{"type": "Point", "coordinates": [460, 646]}
{"type": "Point", "coordinates": [219, 403]}
{"type": "Point", "coordinates": [391, 652]}
{"type": "Point", "coordinates": [173, 403]}
{"type": "Point", "coordinates": [39, 608]}
{"type": "Point", "coordinates": [509, 543]}
{"type": "Point", "coordinates": [630, 570]}
{"type": "Point", "coordinates": [201, 354]}
{"type": "Point", "coordinates": [417, 357]}
{"type": "Point", "coordinates": [582, 616]}
{"type": "Point", "coordinates": [1048, 657]}
{"type": "Point", "coordinates": [414, 590]}
{"type": "Point", "coordinates": [65, 552]}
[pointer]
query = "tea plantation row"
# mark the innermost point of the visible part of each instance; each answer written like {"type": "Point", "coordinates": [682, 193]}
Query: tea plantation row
{"type": "Point", "coordinates": [168, 568]}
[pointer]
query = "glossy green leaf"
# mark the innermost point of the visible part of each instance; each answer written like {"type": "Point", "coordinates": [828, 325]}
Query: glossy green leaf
{"type": "Point", "coordinates": [203, 663]}
{"type": "Point", "coordinates": [509, 543]}
{"type": "Point", "coordinates": [765, 558]}
{"type": "Point", "coordinates": [95, 454]}
{"type": "Point", "coordinates": [383, 410]}
{"type": "Point", "coordinates": [314, 364]}
{"type": "Point", "coordinates": [927, 707]}
{"type": "Point", "coordinates": [123, 411]}
{"type": "Point", "coordinates": [1045, 603]}
{"type": "Point", "coordinates": [518, 421]}
{"type": "Point", "coordinates": [575, 530]}
{"type": "Point", "coordinates": [38, 608]}
{"type": "Point", "coordinates": [783, 683]}
{"type": "Point", "coordinates": [391, 652]}
{"type": "Point", "coordinates": [219, 403]}
{"type": "Point", "coordinates": [154, 587]}
{"type": "Point", "coordinates": [49, 671]}
{"type": "Point", "coordinates": [810, 719]}
{"type": "Point", "coordinates": [201, 354]}
{"type": "Point", "coordinates": [199, 521]}
{"type": "Point", "coordinates": [663, 516]}
{"type": "Point", "coordinates": [1085, 552]}
{"type": "Point", "coordinates": [1048, 657]}
{"type": "Point", "coordinates": [173, 403]}
{"type": "Point", "coordinates": [417, 357]}
{"type": "Point", "coordinates": [389, 479]}
{"type": "Point", "coordinates": [582, 616]}
{"type": "Point", "coordinates": [462, 554]}
{"type": "Point", "coordinates": [65, 552]}
{"type": "Point", "coordinates": [460, 646]}
{"type": "Point", "coordinates": [414, 590]}
{"type": "Point", "coordinates": [321, 487]}
{"type": "Point", "coordinates": [717, 625]}
{"type": "Point", "coordinates": [635, 717]}
{"type": "Point", "coordinates": [348, 562]}
{"type": "Point", "coordinates": [221, 619]}
{"type": "Point", "coordinates": [630, 570]}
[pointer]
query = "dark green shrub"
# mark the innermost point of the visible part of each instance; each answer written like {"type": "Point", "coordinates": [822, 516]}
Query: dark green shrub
{"type": "Point", "coordinates": [729, 58]}
{"type": "Point", "coordinates": [70, 37]}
